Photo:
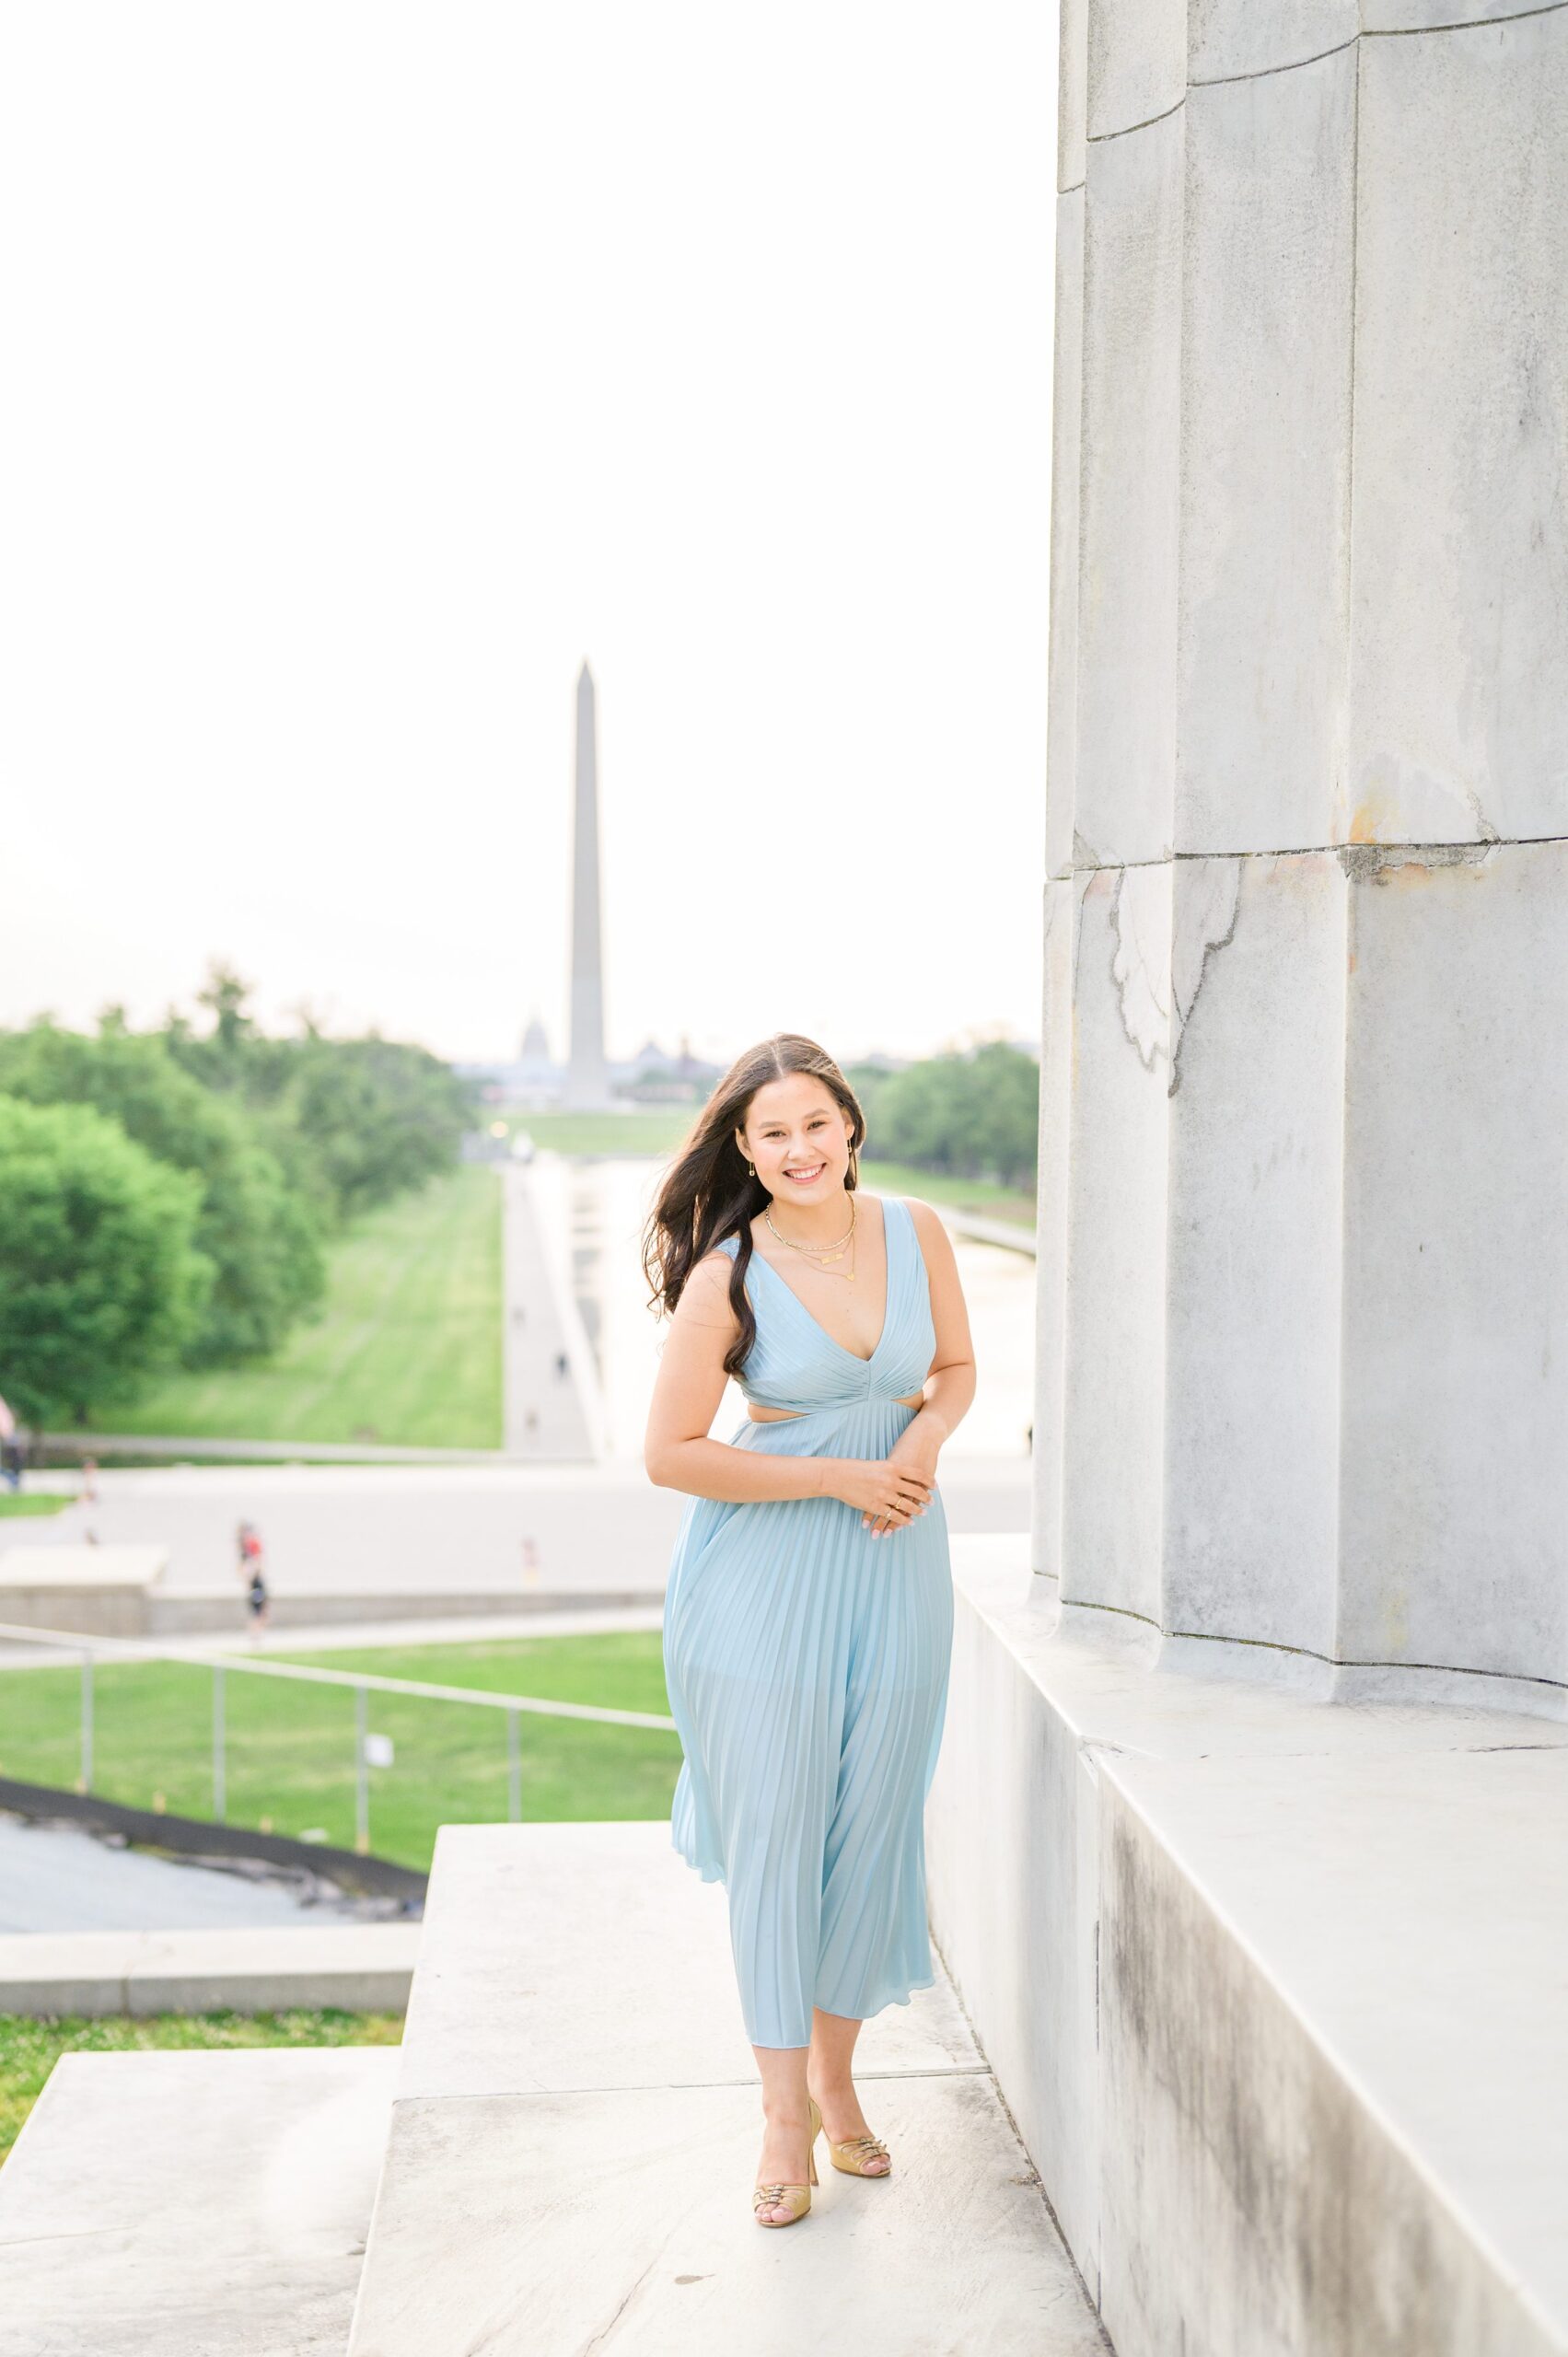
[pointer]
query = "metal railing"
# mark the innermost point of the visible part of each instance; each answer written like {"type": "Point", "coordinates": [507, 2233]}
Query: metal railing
{"type": "Point", "coordinates": [364, 1682]}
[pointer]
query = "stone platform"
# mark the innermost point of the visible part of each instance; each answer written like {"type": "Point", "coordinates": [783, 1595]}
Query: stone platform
{"type": "Point", "coordinates": [1277, 1991]}
{"type": "Point", "coordinates": [577, 2127]}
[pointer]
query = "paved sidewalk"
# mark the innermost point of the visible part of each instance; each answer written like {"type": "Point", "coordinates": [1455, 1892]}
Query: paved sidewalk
{"type": "Point", "coordinates": [550, 1385]}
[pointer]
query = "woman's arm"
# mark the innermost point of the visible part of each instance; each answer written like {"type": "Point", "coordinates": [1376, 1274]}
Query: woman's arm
{"type": "Point", "coordinates": [948, 1389]}
{"type": "Point", "coordinates": [677, 1450]}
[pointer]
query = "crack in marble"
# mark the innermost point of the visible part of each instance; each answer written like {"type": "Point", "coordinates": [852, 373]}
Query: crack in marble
{"type": "Point", "coordinates": [599, 2338]}
{"type": "Point", "coordinates": [1169, 858]}
{"type": "Point", "coordinates": [1310, 1653]}
{"type": "Point", "coordinates": [1143, 1008]}
{"type": "Point", "coordinates": [1369, 862]}
{"type": "Point", "coordinates": [1202, 938]}
{"type": "Point", "coordinates": [1098, 138]}
{"type": "Point", "coordinates": [1458, 23]}
{"type": "Point", "coordinates": [1262, 73]}
{"type": "Point", "coordinates": [1294, 65]}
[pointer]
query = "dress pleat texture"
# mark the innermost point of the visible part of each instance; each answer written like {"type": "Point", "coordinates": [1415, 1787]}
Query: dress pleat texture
{"type": "Point", "coordinates": [806, 1663]}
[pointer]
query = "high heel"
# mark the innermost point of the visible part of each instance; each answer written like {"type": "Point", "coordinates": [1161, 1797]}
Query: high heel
{"type": "Point", "coordinates": [778, 2196]}
{"type": "Point", "coordinates": [853, 2152]}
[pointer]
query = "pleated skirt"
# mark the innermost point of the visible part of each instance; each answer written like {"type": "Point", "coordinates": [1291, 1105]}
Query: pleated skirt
{"type": "Point", "coordinates": [806, 1663]}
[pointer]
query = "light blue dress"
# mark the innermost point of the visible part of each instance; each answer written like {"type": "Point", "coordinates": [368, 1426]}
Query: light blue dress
{"type": "Point", "coordinates": [806, 1663]}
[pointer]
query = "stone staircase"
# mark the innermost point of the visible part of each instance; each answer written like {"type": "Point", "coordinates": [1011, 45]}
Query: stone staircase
{"type": "Point", "coordinates": [192, 2205]}
{"type": "Point", "coordinates": [565, 2144]}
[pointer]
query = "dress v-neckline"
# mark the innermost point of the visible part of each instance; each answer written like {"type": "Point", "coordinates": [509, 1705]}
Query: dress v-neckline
{"type": "Point", "coordinates": [811, 1315]}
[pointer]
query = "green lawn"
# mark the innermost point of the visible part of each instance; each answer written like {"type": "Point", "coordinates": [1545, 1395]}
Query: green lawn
{"type": "Point", "coordinates": [964, 1194]}
{"type": "Point", "coordinates": [290, 1747]}
{"type": "Point", "coordinates": [31, 1502]}
{"type": "Point", "coordinates": [650, 1130]}
{"type": "Point", "coordinates": [29, 2050]}
{"type": "Point", "coordinates": [408, 1353]}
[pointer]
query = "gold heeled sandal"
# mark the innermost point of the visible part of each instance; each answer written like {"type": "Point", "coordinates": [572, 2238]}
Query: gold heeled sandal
{"type": "Point", "coordinates": [852, 2153]}
{"type": "Point", "coordinates": [777, 2197]}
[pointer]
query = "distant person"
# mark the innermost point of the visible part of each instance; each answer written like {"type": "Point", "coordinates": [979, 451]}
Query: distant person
{"type": "Point", "coordinates": [252, 1570]}
{"type": "Point", "coordinates": [563, 1364]}
{"type": "Point", "coordinates": [257, 1604]}
{"type": "Point", "coordinates": [89, 1480]}
{"type": "Point", "coordinates": [10, 1448]}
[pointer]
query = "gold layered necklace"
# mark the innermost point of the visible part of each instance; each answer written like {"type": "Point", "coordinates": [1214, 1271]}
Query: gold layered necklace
{"type": "Point", "coordinates": [823, 1255]}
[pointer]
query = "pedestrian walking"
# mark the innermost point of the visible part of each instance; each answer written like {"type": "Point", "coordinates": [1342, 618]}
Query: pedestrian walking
{"type": "Point", "coordinates": [252, 1569]}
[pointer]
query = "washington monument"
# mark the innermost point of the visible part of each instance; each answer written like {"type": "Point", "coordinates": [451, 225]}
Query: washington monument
{"type": "Point", "coordinates": [588, 1081]}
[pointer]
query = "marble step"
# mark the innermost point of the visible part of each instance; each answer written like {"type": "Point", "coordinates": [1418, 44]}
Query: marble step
{"type": "Point", "coordinates": [250, 1969]}
{"type": "Point", "coordinates": [576, 2129]}
{"type": "Point", "coordinates": [205, 2204]}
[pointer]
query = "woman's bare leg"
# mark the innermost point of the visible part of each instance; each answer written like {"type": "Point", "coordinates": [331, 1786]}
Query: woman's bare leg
{"type": "Point", "coordinates": [828, 2069]}
{"type": "Point", "coordinates": [786, 2130]}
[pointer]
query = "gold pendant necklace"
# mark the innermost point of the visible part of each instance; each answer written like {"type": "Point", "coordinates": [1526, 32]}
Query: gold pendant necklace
{"type": "Point", "coordinates": [822, 1254]}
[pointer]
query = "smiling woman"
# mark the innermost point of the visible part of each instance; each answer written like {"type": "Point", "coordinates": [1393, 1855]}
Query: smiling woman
{"type": "Point", "coordinates": [807, 1665]}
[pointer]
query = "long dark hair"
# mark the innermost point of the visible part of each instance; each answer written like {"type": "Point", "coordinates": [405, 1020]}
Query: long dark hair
{"type": "Point", "coordinates": [708, 1194]}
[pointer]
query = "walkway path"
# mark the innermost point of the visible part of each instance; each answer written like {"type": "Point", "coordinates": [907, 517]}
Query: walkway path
{"type": "Point", "coordinates": [599, 1530]}
{"type": "Point", "coordinates": [550, 1385]}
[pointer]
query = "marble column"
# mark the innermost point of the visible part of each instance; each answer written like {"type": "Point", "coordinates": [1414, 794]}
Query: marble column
{"type": "Point", "coordinates": [1303, 1309]}
{"type": "Point", "coordinates": [588, 1078]}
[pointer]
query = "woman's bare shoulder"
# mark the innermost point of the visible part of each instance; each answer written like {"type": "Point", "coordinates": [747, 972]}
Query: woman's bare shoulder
{"type": "Point", "coordinates": [707, 1288]}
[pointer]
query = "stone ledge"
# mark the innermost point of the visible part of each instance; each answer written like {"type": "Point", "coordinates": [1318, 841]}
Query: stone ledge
{"type": "Point", "coordinates": [363, 1967]}
{"type": "Point", "coordinates": [1274, 1988]}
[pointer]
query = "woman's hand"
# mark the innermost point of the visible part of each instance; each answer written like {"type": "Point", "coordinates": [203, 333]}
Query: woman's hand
{"type": "Point", "coordinates": [915, 1449]}
{"type": "Point", "coordinates": [887, 1494]}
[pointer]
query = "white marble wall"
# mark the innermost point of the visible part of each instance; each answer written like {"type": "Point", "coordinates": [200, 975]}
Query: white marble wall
{"type": "Point", "coordinates": [1302, 1301]}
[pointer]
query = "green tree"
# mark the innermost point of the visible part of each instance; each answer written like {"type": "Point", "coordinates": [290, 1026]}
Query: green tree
{"type": "Point", "coordinates": [354, 1121]}
{"type": "Point", "coordinates": [974, 1115]}
{"type": "Point", "coordinates": [258, 1231]}
{"type": "Point", "coordinates": [100, 1280]}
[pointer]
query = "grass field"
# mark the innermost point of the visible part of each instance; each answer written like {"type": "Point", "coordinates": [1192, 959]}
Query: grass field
{"type": "Point", "coordinates": [289, 1749]}
{"type": "Point", "coordinates": [964, 1194]}
{"type": "Point", "coordinates": [408, 1353]}
{"type": "Point", "coordinates": [16, 1504]}
{"type": "Point", "coordinates": [29, 2050]}
{"type": "Point", "coordinates": [650, 1130]}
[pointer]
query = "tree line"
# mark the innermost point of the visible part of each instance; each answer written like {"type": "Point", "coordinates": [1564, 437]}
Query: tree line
{"type": "Point", "coordinates": [974, 1115]}
{"type": "Point", "coordinates": [166, 1195]}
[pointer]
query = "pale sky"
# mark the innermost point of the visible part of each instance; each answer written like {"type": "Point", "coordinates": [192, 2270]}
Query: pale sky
{"type": "Point", "coordinates": [368, 366]}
